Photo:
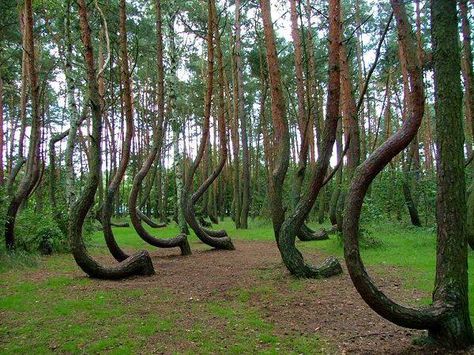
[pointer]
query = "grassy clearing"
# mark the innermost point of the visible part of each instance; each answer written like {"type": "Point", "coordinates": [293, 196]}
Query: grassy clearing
{"type": "Point", "coordinates": [43, 309]}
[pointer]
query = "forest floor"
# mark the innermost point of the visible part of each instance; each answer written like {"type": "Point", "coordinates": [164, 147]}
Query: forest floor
{"type": "Point", "coordinates": [241, 301]}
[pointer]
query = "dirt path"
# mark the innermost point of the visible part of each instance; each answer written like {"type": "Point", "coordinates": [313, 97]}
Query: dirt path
{"type": "Point", "coordinates": [330, 308]}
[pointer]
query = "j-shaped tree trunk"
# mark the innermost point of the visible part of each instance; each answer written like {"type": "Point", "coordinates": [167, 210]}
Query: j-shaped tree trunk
{"type": "Point", "coordinates": [447, 319]}
{"type": "Point", "coordinates": [114, 186]}
{"type": "Point", "coordinates": [292, 258]}
{"type": "Point", "coordinates": [287, 229]}
{"type": "Point", "coordinates": [279, 150]}
{"type": "Point", "coordinates": [304, 122]}
{"type": "Point", "coordinates": [32, 172]}
{"type": "Point", "coordinates": [189, 198]}
{"type": "Point", "coordinates": [137, 264]}
{"type": "Point", "coordinates": [180, 241]}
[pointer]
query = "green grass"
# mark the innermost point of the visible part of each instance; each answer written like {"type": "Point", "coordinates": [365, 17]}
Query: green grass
{"type": "Point", "coordinates": [56, 312]}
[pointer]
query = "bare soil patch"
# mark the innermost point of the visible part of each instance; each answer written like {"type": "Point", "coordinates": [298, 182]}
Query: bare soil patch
{"type": "Point", "coordinates": [330, 309]}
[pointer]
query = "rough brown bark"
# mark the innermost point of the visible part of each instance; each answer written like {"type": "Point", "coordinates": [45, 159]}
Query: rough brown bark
{"type": "Point", "coordinates": [280, 145]}
{"type": "Point", "coordinates": [447, 319]}
{"type": "Point", "coordinates": [2, 172]}
{"type": "Point", "coordinates": [137, 264]}
{"type": "Point", "coordinates": [286, 230]}
{"type": "Point", "coordinates": [468, 76]}
{"type": "Point", "coordinates": [114, 186]}
{"type": "Point", "coordinates": [30, 178]}
{"type": "Point", "coordinates": [136, 216]}
{"type": "Point", "coordinates": [303, 118]}
{"type": "Point", "coordinates": [189, 199]}
{"type": "Point", "coordinates": [245, 202]}
{"type": "Point", "coordinates": [451, 282]}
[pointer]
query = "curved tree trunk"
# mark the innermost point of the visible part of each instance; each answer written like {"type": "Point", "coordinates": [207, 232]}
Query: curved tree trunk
{"type": "Point", "coordinates": [304, 122]}
{"type": "Point", "coordinates": [137, 264]}
{"type": "Point", "coordinates": [143, 217]}
{"type": "Point", "coordinates": [32, 163]}
{"type": "Point", "coordinates": [114, 186]}
{"type": "Point", "coordinates": [286, 230]}
{"type": "Point", "coordinates": [279, 160]}
{"type": "Point", "coordinates": [190, 200]}
{"type": "Point", "coordinates": [448, 317]}
{"type": "Point", "coordinates": [180, 241]}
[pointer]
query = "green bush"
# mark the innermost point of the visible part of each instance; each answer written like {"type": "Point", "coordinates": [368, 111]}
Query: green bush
{"type": "Point", "coordinates": [39, 233]}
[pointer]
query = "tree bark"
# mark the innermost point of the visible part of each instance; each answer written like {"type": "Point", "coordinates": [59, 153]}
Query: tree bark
{"type": "Point", "coordinates": [292, 258]}
{"type": "Point", "coordinates": [243, 121]}
{"type": "Point", "coordinates": [33, 161]}
{"type": "Point", "coordinates": [189, 200]}
{"type": "Point", "coordinates": [176, 125]}
{"type": "Point", "coordinates": [303, 118]}
{"type": "Point", "coordinates": [114, 186]}
{"type": "Point", "coordinates": [2, 171]}
{"type": "Point", "coordinates": [467, 70]}
{"type": "Point", "coordinates": [447, 319]}
{"type": "Point", "coordinates": [451, 283]}
{"type": "Point", "coordinates": [137, 264]}
{"type": "Point", "coordinates": [180, 241]}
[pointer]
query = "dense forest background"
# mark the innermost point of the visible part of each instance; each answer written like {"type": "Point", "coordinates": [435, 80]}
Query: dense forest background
{"type": "Point", "coordinates": [340, 114]}
{"type": "Point", "coordinates": [406, 189]}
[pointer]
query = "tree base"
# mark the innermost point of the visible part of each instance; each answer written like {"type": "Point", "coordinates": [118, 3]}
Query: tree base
{"type": "Point", "coordinates": [455, 332]}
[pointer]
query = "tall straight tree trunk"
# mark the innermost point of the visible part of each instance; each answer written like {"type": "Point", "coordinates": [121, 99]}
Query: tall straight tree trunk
{"type": "Point", "coordinates": [338, 182]}
{"type": "Point", "coordinates": [413, 159]}
{"type": "Point", "coordinates": [176, 124]}
{"type": "Point", "coordinates": [237, 186]}
{"type": "Point", "coordinates": [33, 162]}
{"type": "Point", "coordinates": [451, 283]}
{"type": "Point", "coordinates": [467, 70]}
{"type": "Point", "coordinates": [72, 110]}
{"type": "Point", "coordinates": [350, 129]}
{"type": "Point", "coordinates": [243, 121]}
{"type": "Point", "coordinates": [280, 146]}
{"type": "Point", "coordinates": [2, 171]}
